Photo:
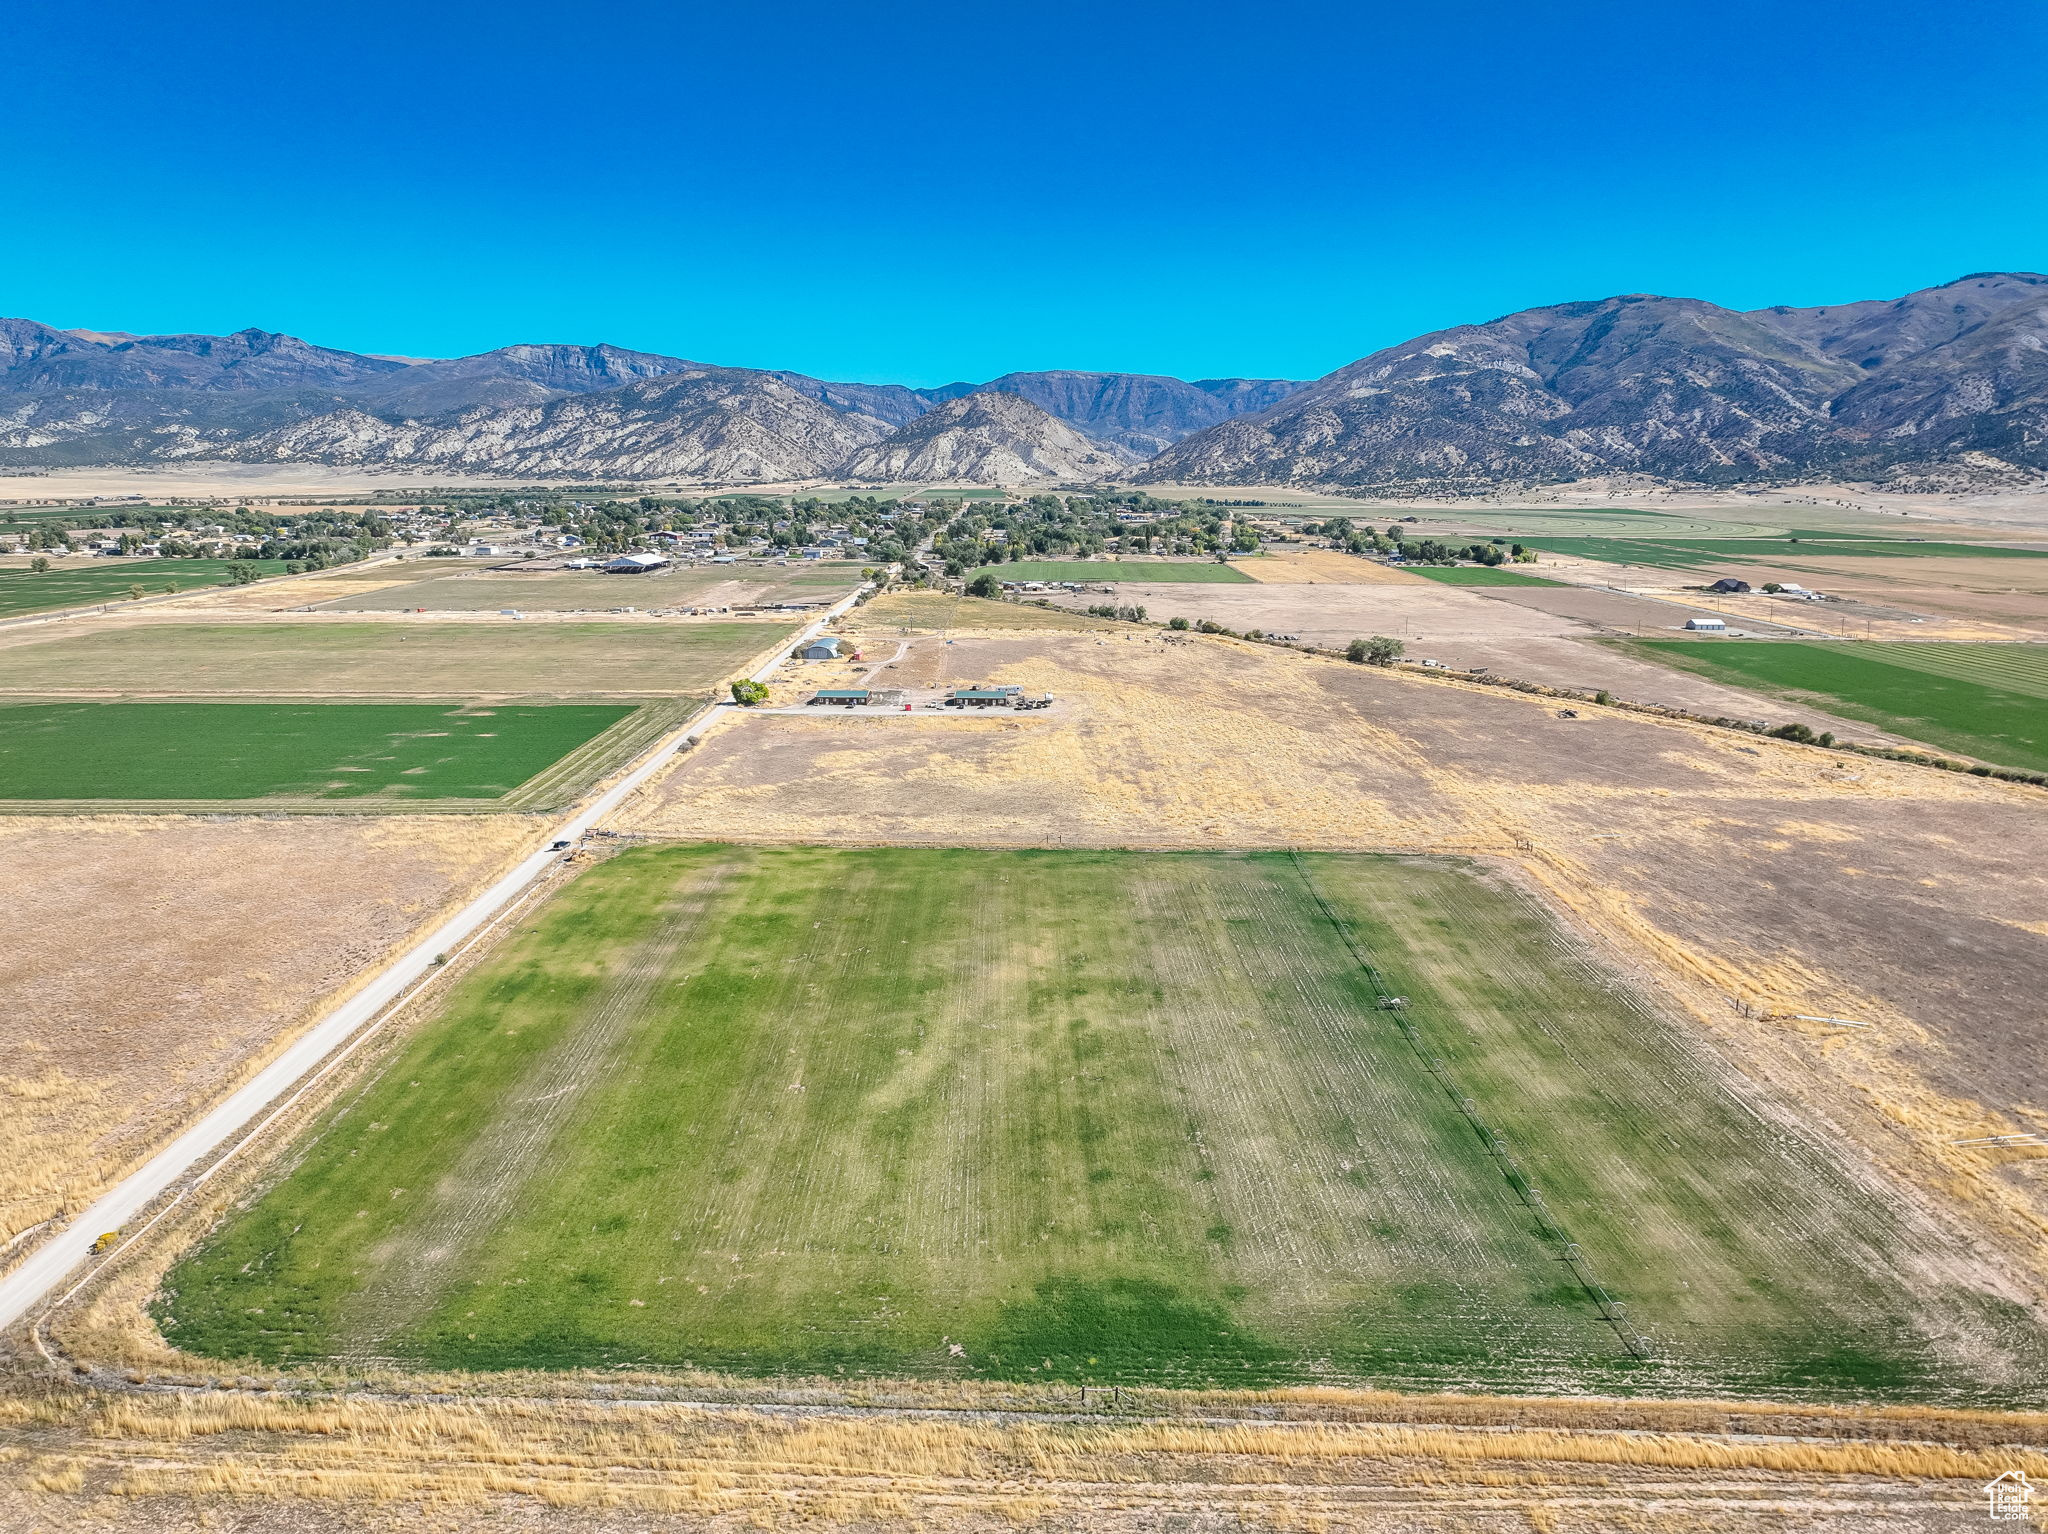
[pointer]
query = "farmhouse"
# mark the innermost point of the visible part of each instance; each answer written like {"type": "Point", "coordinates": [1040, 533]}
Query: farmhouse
{"type": "Point", "coordinates": [981, 697]}
{"type": "Point", "coordinates": [1730, 585]}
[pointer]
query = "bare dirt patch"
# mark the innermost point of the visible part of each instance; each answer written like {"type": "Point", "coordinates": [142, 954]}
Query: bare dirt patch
{"type": "Point", "coordinates": [177, 954]}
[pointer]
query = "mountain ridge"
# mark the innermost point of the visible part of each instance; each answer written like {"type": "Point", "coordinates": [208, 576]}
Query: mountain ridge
{"type": "Point", "coordinates": [1948, 380]}
{"type": "Point", "coordinates": [1947, 384]}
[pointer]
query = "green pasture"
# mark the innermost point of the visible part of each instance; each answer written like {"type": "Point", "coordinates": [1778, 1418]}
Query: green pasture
{"type": "Point", "coordinates": [1102, 570]}
{"type": "Point", "coordinates": [227, 751]}
{"type": "Point", "coordinates": [1477, 575]}
{"type": "Point", "coordinates": [22, 590]}
{"type": "Point", "coordinates": [1077, 1116]}
{"type": "Point", "coordinates": [1988, 701]}
{"type": "Point", "coordinates": [1691, 553]}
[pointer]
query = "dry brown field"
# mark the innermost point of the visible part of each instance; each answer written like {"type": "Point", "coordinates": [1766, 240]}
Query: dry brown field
{"type": "Point", "coordinates": [1752, 879]}
{"type": "Point", "coordinates": [1533, 633]}
{"type": "Point", "coordinates": [1331, 1461]}
{"type": "Point", "coordinates": [1965, 598]}
{"type": "Point", "coordinates": [161, 959]}
{"type": "Point", "coordinates": [1318, 567]}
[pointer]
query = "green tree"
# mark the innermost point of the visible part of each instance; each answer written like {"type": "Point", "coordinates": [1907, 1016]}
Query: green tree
{"type": "Point", "coordinates": [242, 573]}
{"type": "Point", "coordinates": [1376, 651]}
{"type": "Point", "coordinates": [38, 565]}
{"type": "Point", "coordinates": [984, 585]}
{"type": "Point", "coordinates": [1177, 623]}
{"type": "Point", "coordinates": [135, 593]}
{"type": "Point", "coordinates": [747, 694]}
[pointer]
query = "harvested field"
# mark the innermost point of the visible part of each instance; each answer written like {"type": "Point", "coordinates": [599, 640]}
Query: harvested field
{"type": "Point", "coordinates": [1206, 572]}
{"type": "Point", "coordinates": [190, 951]}
{"type": "Point", "coordinates": [594, 591]}
{"type": "Point", "coordinates": [321, 657]}
{"type": "Point", "coordinates": [2001, 594]}
{"type": "Point", "coordinates": [1752, 879]}
{"type": "Point", "coordinates": [1477, 575]}
{"type": "Point", "coordinates": [1323, 567]}
{"type": "Point", "coordinates": [152, 1464]}
{"type": "Point", "coordinates": [1110, 1117]}
{"type": "Point", "coordinates": [899, 612]}
{"type": "Point", "coordinates": [1986, 701]}
{"type": "Point", "coordinates": [216, 751]}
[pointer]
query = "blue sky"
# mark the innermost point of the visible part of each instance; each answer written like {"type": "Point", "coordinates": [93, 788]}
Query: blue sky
{"type": "Point", "coordinates": [919, 192]}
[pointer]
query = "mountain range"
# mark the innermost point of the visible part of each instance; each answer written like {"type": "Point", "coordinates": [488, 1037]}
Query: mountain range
{"type": "Point", "coordinates": [1951, 381]}
{"type": "Point", "coordinates": [1948, 384]}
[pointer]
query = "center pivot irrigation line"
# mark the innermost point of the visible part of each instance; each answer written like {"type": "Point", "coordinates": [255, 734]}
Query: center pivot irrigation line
{"type": "Point", "coordinates": [1612, 1310]}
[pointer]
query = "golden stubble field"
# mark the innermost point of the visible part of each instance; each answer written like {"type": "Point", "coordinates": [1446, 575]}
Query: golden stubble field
{"type": "Point", "coordinates": [160, 960]}
{"type": "Point", "coordinates": [1746, 879]}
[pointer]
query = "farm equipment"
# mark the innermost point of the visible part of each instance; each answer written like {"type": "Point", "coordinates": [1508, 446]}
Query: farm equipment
{"type": "Point", "coordinates": [106, 1239]}
{"type": "Point", "coordinates": [1393, 1003]}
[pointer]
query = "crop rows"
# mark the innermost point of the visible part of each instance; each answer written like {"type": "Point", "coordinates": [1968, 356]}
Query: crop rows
{"type": "Point", "coordinates": [2021, 668]}
{"type": "Point", "coordinates": [1096, 1117]}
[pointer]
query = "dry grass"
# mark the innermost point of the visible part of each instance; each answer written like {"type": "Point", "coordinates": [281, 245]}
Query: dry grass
{"type": "Point", "coordinates": [930, 1472]}
{"type": "Point", "coordinates": [1325, 567]}
{"type": "Point", "coordinates": [900, 612]}
{"type": "Point", "coordinates": [191, 950]}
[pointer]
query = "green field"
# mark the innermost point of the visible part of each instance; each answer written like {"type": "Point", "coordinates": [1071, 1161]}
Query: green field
{"type": "Point", "coordinates": [220, 751]}
{"type": "Point", "coordinates": [108, 580]}
{"type": "Point", "coordinates": [1477, 575]}
{"type": "Point", "coordinates": [1034, 1116]}
{"type": "Point", "coordinates": [383, 658]}
{"type": "Point", "coordinates": [1989, 701]}
{"type": "Point", "coordinates": [1691, 553]}
{"type": "Point", "coordinates": [1111, 570]}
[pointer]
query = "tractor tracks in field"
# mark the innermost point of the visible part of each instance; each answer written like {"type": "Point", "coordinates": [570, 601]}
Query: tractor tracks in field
{"type": "Point", "coordinates": [1566, 1250]}
{"type": "Point", "coordinates": [475, 1196]}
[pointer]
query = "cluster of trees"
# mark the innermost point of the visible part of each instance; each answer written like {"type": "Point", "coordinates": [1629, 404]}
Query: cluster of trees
{"type": "Point", "coordinates": [734, 522]}
{"type": "Point", "coordinates": [315, 538]}
{"type": "Point", "coordinates": [1083, 527]}
{"type": "Point", "coordinates": [1122, 614]}
{"type": "Point", "coordinates": [1417, 551]}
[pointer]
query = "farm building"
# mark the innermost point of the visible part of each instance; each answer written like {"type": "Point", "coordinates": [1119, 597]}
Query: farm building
{"type": "Point", "coordinates": [855, 697]}
{"type": "Point", "coordinates": [824, 647]}
{"type": "Point", "coordinates": [980, 697]}
{"type": "Point", "coordinates": [1730, 585]}
{"type": "Point", "coordinates": [1707, 625]}
{"type": "Point", "coordinates": [636, 564]}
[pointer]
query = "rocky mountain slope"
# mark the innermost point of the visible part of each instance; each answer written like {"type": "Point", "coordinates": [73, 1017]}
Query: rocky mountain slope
{"type": "Point", "coordinates": [1950, 380]}
{"type": "Point", "coordinates": [1948, 385]}
{"type": "Point", "coordinates": [1142, 412]}
{"type": "Point", "coordinates": [94, 397]}
{"type": "Point", "coordinates": [986, 438]}
{"type": "Point", "coordinates": [727, 424]}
